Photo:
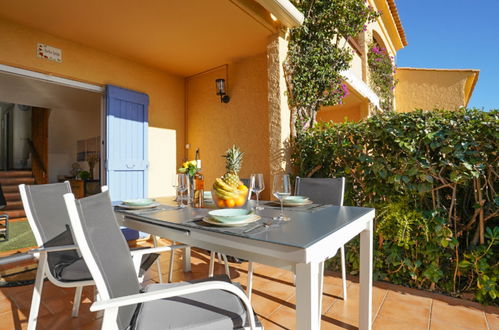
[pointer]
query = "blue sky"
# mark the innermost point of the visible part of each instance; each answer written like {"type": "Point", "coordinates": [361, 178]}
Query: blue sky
{"type": "Point", "coordinates": [454, 34]}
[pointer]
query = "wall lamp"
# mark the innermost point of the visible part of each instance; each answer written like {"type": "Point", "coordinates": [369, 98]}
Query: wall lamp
{"type": "Point", "coordinates": [220, 83]}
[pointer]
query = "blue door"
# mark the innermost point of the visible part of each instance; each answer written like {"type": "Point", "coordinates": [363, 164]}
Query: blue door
{"type": "Point", "coordinates": [126, 137]}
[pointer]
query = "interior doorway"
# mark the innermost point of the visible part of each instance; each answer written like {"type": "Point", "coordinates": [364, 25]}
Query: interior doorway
{"type": "Point", "coordinates": [51, 126]}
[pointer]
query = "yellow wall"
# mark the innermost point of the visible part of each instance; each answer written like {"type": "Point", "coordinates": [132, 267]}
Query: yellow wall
{"type": "Point", "coordinates": [166, 91]}
{"type": "Point", "coordinates": [213, 126]}
{"type": "Point", "coordinates": [339, 114]}
{"type": "Point", "coordinates": [430, 89]}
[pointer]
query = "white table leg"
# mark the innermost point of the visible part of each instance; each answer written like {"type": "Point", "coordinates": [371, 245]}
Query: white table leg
{"type": "Point", "coordinates": [187, 259]}
{"type": "Point", "coordinates": [366, 277]}
{"type": "Point", "coordinates": [307, 296]}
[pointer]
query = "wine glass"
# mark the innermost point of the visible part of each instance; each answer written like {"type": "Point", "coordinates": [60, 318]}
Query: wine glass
{"type": "Point", "coordinates": [179, 182]}
{"type": "Point", "coordinates": [281, 189]}
{"type": "Point", "coordinates": [257, 185]}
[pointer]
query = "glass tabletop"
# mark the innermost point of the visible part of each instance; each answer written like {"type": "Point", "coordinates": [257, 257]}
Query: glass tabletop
{"type": "Point", "coordinates": [305, 227]}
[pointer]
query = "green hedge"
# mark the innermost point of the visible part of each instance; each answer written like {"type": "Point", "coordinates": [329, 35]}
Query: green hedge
{"type": "Point", "coordinates": [432, 177]}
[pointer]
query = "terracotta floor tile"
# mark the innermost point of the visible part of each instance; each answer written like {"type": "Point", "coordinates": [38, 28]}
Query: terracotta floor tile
{"type": "Point", "coordinates": [457, 317]}
{"type": "Point", "coordinates": [349, 310]}
{"type": "Point", "coordinates": [493, 321]}
{"type": "Point", "coordinates": [273, 299]}
{"type": "Point", "coordinates": [411, 310]}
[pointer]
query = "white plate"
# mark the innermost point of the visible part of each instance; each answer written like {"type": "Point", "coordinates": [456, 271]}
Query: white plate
{"type": "Point", "coordinates": [211, 221]}
{"type": "Point", "coordinates": [277, 203]}
{"type": "Point", "coordinates": [130, 207]}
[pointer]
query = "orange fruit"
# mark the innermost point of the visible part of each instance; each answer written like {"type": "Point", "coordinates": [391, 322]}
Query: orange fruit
{"type": "Point", "coordinates": [240, 201]}
{"type": "Point", "coordinates": [220, 203]}
{"type": "Point", "coordinates": [230, 202]}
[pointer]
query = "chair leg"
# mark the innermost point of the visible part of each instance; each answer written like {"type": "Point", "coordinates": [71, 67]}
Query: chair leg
{"type": "Point", "coordinates": [211, 268]}
{"type": "Point", "coordinates": [226, 264]}
{"type": "Point", "coordinates": [76, 301]}
{"type": "Point", "coordinates": [37, 292]}
{"type": "Point", "coordinates": [343, 273]}
{"type": "Point", "coordinates": [249, 281]}
{"type": "Point", "coordinates": [158, 263]}
{"type": "Point", "coordinates": [172, 261]}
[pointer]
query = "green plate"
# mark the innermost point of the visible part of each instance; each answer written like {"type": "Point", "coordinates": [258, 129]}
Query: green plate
{"type": "Point", "coordinates": [230, 215]}
{"type": "Point", "coordinates": [296, 199]}
{"type": "Point", "coordinates": [138, 202]}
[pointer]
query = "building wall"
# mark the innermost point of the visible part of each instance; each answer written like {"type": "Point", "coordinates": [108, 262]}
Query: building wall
{"type": "Point", "coordinates": [430, 89]}
{"type": "Point", "coordinates": [166, 91]}
{"type": "Point", "coordinates": [66, 127]}
{"type": "Point", "coordinates": [339, 114]}
{"type": "Point", "coordinates": [213, 126]}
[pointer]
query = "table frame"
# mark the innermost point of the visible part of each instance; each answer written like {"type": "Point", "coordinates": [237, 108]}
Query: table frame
{"type": "Point", "coordinates": [307, 262]}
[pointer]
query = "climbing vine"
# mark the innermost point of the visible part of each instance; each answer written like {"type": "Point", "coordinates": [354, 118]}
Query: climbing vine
{"type": "Point", "coordinates": [317, 54]}
{"type": "Point", "coordinates": [382, 70]}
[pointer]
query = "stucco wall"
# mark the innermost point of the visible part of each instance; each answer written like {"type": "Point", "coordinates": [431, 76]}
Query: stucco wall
{"type": "Point", "coordinates": [339, 114]}
{"type": "Point", "coordinates": [430, 89]}
{"type": "Point", "coordinates": [166, 91]}
{"type": "Point", "coordinates": [213, 126]}
{"type": "Point", "coordinates": [66, 127]}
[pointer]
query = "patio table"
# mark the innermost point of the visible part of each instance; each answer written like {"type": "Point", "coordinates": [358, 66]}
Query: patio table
{"type": "Point", "coordinates": [301, 244]}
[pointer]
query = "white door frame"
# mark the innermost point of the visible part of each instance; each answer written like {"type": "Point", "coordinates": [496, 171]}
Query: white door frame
{"type": "Point", "coordinates": [74, 84]}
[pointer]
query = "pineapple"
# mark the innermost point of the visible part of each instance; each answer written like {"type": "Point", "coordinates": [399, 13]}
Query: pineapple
{"type": "Point", "coordinates": [233, 161]}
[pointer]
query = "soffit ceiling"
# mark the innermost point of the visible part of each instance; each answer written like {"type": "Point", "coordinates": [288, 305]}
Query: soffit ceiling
{"type": "Point", "coordinates": [183, 37]}
{"type": "Point", "coordinates": [39, 93]}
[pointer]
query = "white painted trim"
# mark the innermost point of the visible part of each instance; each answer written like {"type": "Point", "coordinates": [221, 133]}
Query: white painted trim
{"type": "Point", "coordinates": [50, 78]}
{"type": "Point", "coordinates": [361, 87]}
{"type": "Point", "coordinates": [284, 11]}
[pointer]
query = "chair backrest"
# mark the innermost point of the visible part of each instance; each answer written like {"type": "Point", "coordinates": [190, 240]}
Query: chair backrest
{"type": "Point", "coordinates": [49, 220]}
{"type": "Point", "coordinates": [104, 249]}
{"type": "Point", "coordinates": [45, 209]}
{"type": "Point", "coordinates": [321, 190]}
{"type": "Point", "coordinates": [3, 202]}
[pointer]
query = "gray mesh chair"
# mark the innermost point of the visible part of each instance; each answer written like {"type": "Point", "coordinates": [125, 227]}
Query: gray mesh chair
{"type": "Point", "coordinates": [325, 191]}
{"type": "Point", "coordinates": [321, 191]}
{"type": "Point", "coordinates": [206, 304]}
{"type": "Point", "coordinates": [58, 260]}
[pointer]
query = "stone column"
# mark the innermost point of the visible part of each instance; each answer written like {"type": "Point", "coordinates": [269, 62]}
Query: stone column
{"type": "Point", "coordinates": [279, 112]}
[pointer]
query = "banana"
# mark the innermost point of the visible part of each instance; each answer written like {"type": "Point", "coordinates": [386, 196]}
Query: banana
{"type": "Point", "coordinates": [224, 185]}
{"type": "Point", "coordinates": [224, 194]}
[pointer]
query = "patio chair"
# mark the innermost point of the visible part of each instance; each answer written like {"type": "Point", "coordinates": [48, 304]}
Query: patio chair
{"type": "Point", "coordinates": [325, 191]}
{"type": "Point", "coordinates": [58, 257]}
{"type": "Point", "coordinates": [205, 304]}
{"type": "Point", "coordinates": [322, 191]}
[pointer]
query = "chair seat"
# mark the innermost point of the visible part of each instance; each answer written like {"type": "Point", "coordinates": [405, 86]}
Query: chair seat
{"type": "Point", "coordinates": [75, 271]}
{"type": "Point", "coordinates": [214, 309]}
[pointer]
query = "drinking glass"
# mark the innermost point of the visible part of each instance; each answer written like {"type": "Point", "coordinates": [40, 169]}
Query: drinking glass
{"type": "Point", "coordinates": [257, 185]}
{"type": "Point", "coordinates": [281, 189]}
{"type": "Point", "coordinates": [179, 182]}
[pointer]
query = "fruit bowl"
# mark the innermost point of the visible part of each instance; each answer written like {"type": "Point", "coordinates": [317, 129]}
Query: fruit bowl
{"type": "Point", "coordinates": [237, 198]}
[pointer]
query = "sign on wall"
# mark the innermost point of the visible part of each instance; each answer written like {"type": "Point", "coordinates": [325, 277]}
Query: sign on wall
{"type": "Point", "coordinates": [49, 53]}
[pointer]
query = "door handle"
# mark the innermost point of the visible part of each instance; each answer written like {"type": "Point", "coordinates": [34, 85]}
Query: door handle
{"type": "Point", "coordinates": [130, 166]}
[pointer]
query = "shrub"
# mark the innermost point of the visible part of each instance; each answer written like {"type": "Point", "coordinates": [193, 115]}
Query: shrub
{"type": "Point", "coordinates": [432, 177]}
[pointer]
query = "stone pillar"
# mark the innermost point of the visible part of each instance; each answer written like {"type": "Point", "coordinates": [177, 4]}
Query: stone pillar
{"type": "Point", "coordinates": [279, 112]}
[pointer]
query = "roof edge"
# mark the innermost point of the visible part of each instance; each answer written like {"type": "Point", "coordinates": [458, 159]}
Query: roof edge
{"type": "Point", "coordinates": [438, 69]}
{"type": "Point", "coordinates": [398, 22]}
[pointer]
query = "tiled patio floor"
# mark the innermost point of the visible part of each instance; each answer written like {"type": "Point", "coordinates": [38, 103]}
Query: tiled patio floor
{"type": "Point", "coordinates": [394, 307]}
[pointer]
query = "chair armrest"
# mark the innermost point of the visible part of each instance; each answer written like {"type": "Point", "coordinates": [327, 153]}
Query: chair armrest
{"type": "Point", "coordinates": [176, 291]}
{"type": "Point", "coordinates": [53, 249]}
{"type": "Point", "coordinates": [158, 249]}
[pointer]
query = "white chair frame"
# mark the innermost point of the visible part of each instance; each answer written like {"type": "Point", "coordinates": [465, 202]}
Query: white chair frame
{"type": "Point", "coordinates": [43, 271]}
{"type": "Point", "coordinates": [111, 306]}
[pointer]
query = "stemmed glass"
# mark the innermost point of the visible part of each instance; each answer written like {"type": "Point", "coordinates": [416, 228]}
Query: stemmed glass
{"type": "Point", "coordinates": [281, 189]}
{"type": "Point", "coordinates": [179, 182]}
{"type": "Point", "coordinates": [257, 185]}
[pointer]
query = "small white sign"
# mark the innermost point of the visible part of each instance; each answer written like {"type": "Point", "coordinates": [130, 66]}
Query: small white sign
{"type": "Point", "coordinates": [49, 53]}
